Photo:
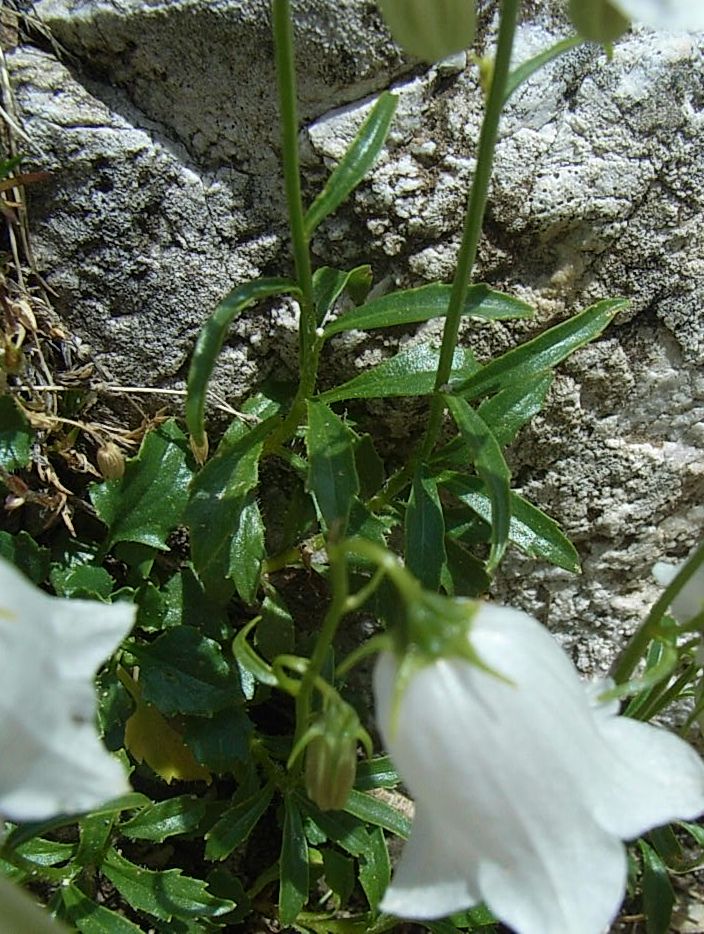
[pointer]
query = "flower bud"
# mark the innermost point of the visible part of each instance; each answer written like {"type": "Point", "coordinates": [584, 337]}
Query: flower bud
{"type": "Point", "coordinates": [430, 29]}
{"type": "Point", "coordinates": [331, 756]}
{"type": "Point", "coordinates": [598, 20]}
{"type": "Point", "coordinates": [111, 461]}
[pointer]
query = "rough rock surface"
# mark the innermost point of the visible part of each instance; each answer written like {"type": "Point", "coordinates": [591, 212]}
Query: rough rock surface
{"type": "Point", "coordinates": [157, 119]}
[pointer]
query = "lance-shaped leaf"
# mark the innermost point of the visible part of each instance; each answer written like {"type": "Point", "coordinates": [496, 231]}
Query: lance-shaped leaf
{"type": "Point", "coordinates": [409, 373]}
{"type": "Point", "coordinates": [373, 810]}
{"type": "Point", "coordinates": [355, 163]}
{"type": "Point", "coordinates": [542, 353]}
{"type": "Point", "coordinates": [210, 340]}
{"type": "Point", "coordinates": [332, 475]}
{"type": "Point", "coordinates": [528, 68]}
{"type": "Point", "coordinates": [293, 864]}
{"type": "Point", "coordinates": [329, 284]}
{"type": "Point", "coordinates": [491, 466]}
{"type": "Point", "coordinates": [424, 550]}
{"type": "Point", "coordinates": [247, 549]}
{"type": "Point", "coordinates": [165, 895]}
{"type": "Point", "coordinates": [426, 302]}
{"type": "Point", "coordinates": [530, 530]}
{"type": "Point", "coordinates": [148, 502]}
{"type": "Point", "coordinates": [165, 819]}
{"type": "Point", "coordinates": [237, 823]}
{"type": "Point", "coordinates": [90, 918]}
{"type": "Point", "coordinates": [214, 514]}
{"type": "Point", "coordinates": [505, 413]}
{"type": "Point", "coordinates": [375, 868]}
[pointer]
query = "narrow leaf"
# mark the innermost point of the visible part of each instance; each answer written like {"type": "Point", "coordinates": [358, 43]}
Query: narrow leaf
{"type": "Point", "coordinates": [375, 868]}
{"type": "Point", "coordinates": [91, 918]}
{"type": "Point", "coordinates": [165, 895]}
{"type": "Point", "coordinates": [427, 302]}
{"type": "Point", "coordinates": [329, 284]}
{"type": "Point", "coordinates": [507, 411]}
{"type": "Point", "coordinates": [293, 864]}
{"type": "Point", "coordinates": [424, 550]}
{"type": "Point", "coordinates": [658, 895]}
{"type": "Point", "coordinates": [248, 660]}
{"type": "Point", "coordinates": [376, 773]}
{"type": "Point", "coordinates": [236, 824]}
{"type": "Point", "coordinates": [530, 530]}
{"type": "Point", "coordinates": [491, 466]}
{"type": "Point", "coordinates": [210, 340]}
{"type": "Point", "coordinates": [542, 353]}
{"type": "Point", "coordinates": [409, 373]}
{"type": "Point", "coordinates": [332, 475]}
{"type": "Point", "coordinates": [375, 811]}
{"type": "Point", "coordinates": [168, 818]}
{"type": "Point", "coordinates": [247, 549]}
{"type": "Point", "coordinates": [526, 69]}
{"type": "Point", "coordinates": [356, 162]}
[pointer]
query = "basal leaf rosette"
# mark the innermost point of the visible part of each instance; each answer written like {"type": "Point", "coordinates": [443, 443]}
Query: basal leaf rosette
{"type": "Point", "coordinates": [52, 760]}
{"type": "Point", "coordinates": [524, 786]}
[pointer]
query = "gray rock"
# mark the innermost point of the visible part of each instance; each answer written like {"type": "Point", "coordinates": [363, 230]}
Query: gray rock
{"type": "Point", "coordinates": [160, 129]}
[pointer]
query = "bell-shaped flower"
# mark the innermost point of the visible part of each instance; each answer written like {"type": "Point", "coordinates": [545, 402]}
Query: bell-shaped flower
{"type": "Point", "coordinates": [524, 784]}
{"type": "Point", "coordinates": [686, 15]}
{"type": "Point", "coordinates": [689, 602]}
{"type": "Point", "coordinates": [51, 758]}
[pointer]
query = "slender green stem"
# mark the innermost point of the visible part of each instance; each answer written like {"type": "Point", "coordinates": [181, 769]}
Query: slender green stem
{"type": "Point", "coordinates": [474, 216]}
{"type": "Point", "coordinates": [641, 638]}
{"type": "Point", "coordinates": [336, 610]}
{"type": "Point", "coordinates": [309, 342]}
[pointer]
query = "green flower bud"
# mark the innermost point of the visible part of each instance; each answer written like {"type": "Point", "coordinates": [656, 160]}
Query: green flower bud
{"type": "Point", "coordinates": [331, 756]}
{"type": "Point", "coordinates": [430, 29]}
{"type": "Point", "coordinates": [598, 20]}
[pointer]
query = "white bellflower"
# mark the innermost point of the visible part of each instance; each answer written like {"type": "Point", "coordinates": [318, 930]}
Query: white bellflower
{"type": "Point", "coordinates": [51, 758]}
{"type": "Point", "coordinates": [524, 788]}
{"type": "Point", "coordinates": [686, 15]}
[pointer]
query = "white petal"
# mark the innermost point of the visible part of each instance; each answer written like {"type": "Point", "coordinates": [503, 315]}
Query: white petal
{"type": "Point", "coordinates": [51, 759]}
{"type": "Point", "coordinates": [653, 777]}
{"type": "Point", "coordinates": [672, 15]}
{"type": "Point", "coordinates": [517, 779]}
{"type": "Point", "coordinates": [427, 882]}
{"type": "Point", "coordinates": [690, 600]}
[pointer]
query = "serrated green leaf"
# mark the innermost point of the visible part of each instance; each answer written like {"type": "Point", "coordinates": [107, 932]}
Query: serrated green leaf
{"type": "Point", "coordinates": [26, 555]}
{"type": "Point", "coordinates": [184, 672]}
{"type": "Point", "coordinates": [412, 306]}
{"type": "Point", "coordinates": [236, 824]}
{"type": "Point", "coordinates": [370, 467]}
{"type": "Point", "coordinates": [165, 895]}
{"type": "Point", "coordinates": [375, 868]}
{"type": "Point", "coordinates": [210, 340]}
{"type": "Point", "coordinates": [332, 475]}
{"type": "Point", "coordinates": [530, 529]}
{"type": "Point", "coordinates": [148, 502]}
{"type": "Point", "coordinates": [91, 918]}
{"type": "Point", "coordinates": [424, 550]}
{"type": "Point", "coordinates": [355, 163]}
{"type": "Point", "coordinates": [85, 580]}
{"type": "Point", "coordinates": [293, 864]}
{"type": "Point", "coordinates": [658, 895]}
{"type": "Point", "coordinates": [409, 373]}
{"type": "Point", "coordinates": [540, 354]}
{"type": "Point", "coordinates": [491, 466]}
{"type": "Point", "coordinates": [329, 284]}
{"type": "Point", "coordinates": [219, 495]}
{"type": "Point", "coordinates": [94, 837]}
{"type": "Point", "coordinates": [377, 812]}
{"type": "Point", "coordinates": [247, 550]}
{"type": "Point", "coordinates": [15, 436]}
{"type": "Point", "coordinates": [221, 742]}
{"type": "Point", "coordinates": [156, 822]}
